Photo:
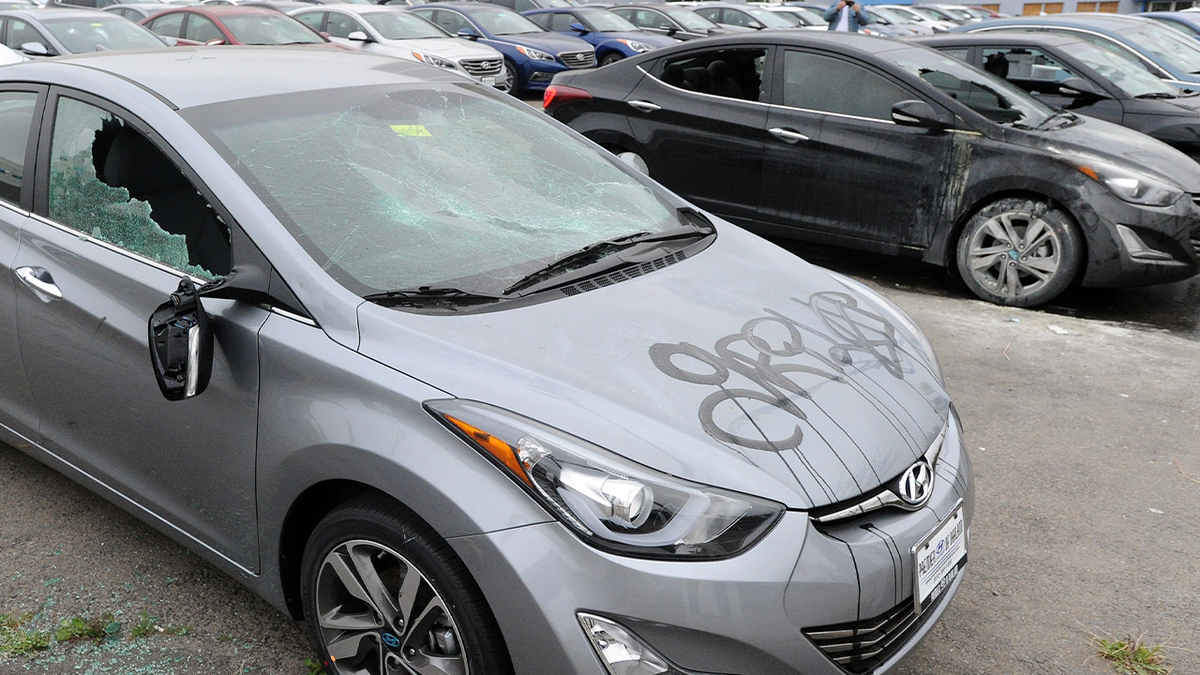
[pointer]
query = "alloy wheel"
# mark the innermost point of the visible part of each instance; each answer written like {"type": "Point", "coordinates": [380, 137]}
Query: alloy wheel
{"type": "Point", "coordinates": [1014, 254]}
{"type": "Point", "coordinates": [379, 615]}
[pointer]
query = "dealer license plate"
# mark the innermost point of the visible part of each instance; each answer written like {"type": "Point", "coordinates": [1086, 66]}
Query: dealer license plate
{"type": "Point", "coordinates": [938, 559]}
{"type": "Point", "coordinates": [490, 80]}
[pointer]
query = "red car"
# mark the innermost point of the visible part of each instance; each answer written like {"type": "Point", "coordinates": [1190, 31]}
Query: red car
{"type": "Point", "coordinates": [232, 25]}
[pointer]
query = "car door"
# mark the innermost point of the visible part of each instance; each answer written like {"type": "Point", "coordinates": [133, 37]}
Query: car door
{"type": "Point", "coordinates": [1041, 74]}
{"type": "Point", "coordinates": [19, 32]}
{"type": "Point", "coordinates": [699, 119]}
{"type": "Point", "coordinates": [314, 20]}
{"type": "Point", "coordinates": [168, 25]}
{"type": "Point", "coordinates": [19, 107]}
{"type": "Point", "coordinates": [835, 163]}
{"type": "Point", "coordinates": [340, 25]}
{"type": "Point", "coordinates": [201, 29]}
{"type": "Point", "coordinates": [118, 223]}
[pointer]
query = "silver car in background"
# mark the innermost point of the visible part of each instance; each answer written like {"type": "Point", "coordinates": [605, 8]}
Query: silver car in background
{"type": "Point", "coordinates": [455, 386]}
{"type": "Point", "coordinates": [392, 31]}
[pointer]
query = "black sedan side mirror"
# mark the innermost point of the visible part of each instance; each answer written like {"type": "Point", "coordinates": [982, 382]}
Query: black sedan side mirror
{"type": "Point", "coordinates": [579, 28]}
{"type": "Point", "coordinates": [1077, 87]}
{"type": "Point", "coordinates": [468, 33]}
{"type": "Point", "coordinates": [36, 49]}
{"type": "Point", "coordinates": [671, 31]}
{"type": "Point", "coordinates": [915, 113]}
{"type": "Point", "coordinates": [181, 344]}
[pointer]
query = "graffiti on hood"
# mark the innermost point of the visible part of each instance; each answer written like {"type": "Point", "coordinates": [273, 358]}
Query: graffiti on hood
{"type": "Point", "coordinates": [771, 367]}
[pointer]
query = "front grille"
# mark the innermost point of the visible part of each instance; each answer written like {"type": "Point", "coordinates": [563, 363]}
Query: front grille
{"type": "Point", "coordinates": [579, 59]}
{"type": "Point", "coordinates": [623, 274]}
{"type": "Point", "coordinates": [482, 67]}
{"type": "Point", "coordinates": [861, 646]}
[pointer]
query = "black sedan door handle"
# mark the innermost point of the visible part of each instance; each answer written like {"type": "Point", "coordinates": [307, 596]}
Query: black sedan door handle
{"type": "Point", "coordinates": [787, 135]}
{"type": "Point", "coordinates": [645, 106]}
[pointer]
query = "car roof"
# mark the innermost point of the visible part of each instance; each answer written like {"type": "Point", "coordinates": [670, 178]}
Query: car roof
{"type": "Point", "coordinates": [1007, 37]}
{"type": "Point", "coordinates": [1085, 19]}
{"type": "Point", "coordinates": [225, 10]}
{"type": "Point", "coordinates": [192, 76]}
{"type": "Point", "coordinates": [832, 41]}
{"type": "Point", "coordinates": [37, 15]}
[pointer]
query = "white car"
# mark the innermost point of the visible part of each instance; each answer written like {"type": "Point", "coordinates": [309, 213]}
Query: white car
{"type": "Point", "coordinates": [391, 31]}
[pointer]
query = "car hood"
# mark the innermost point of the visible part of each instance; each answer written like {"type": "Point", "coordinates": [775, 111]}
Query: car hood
{"type": "Point", "coordinates": [448, 47]}
{"type": "Point", "coordinates": [1102, 140]}
{"type": "Point", "coordinates": [554, 43]}
{"type": "Point", "coordinates": [742, 367]}
{"type": "Point", "coordinates": [641, 36]}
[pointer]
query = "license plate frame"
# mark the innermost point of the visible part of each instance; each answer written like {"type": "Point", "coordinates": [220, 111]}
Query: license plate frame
{"type": "Point", "coordinates": [491, 80]}
{"type": "Point", "coordinates": [934, 570]}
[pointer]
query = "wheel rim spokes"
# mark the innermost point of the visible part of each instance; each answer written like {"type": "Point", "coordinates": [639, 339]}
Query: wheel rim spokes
{"type": "Point", "coordinates": [379, 615]}
{"type": "Point", "coordinates": [1014, 254]}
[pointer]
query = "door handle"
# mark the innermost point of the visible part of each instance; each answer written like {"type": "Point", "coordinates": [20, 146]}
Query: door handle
{"type": "Point", "coordinates": [787, 135]}
{"type": "Point", "coordinates": [39, 279]}
{"type": "Point", "coordinates": [645, 106]}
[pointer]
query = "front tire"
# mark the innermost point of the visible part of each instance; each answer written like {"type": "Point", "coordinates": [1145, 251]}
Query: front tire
{"type": "Point", "coordinates": [385, 595]}
{"type": "Point", "coordinates": [512, 78]}
{"type": "Point", "coordinates": [611, 58]}
{"type": "Point", "coordinates": [1019, 252]}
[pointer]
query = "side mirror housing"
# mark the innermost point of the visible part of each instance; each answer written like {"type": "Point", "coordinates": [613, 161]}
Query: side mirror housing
{"type": "Point", "coordinates": [358, 36]}
{"type": "Point", "coordinates": [916, 113]}
{"type": "Point", "coordinates": [469, 33]}
{"type": "Point", "coordinates": [671, 31]}
{"type": "Point", "coordinates": [36, 49]}
{"type": "Point", "coordinates": [181, 344]}
{"type": "Point", "coordinates": [214, 42]}
{"type": "Point", "coordinates": [579, 28]}
{"type": "Point", "coordinates": [1077, 87]}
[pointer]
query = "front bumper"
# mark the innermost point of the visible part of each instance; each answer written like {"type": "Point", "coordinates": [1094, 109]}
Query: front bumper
{"type": "Point", "coordinates": [743, 616]}
{"type": "Point", "coordinates": [1173, 230]}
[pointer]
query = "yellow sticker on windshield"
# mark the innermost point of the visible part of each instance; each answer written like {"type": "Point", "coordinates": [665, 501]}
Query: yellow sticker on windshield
{"type": "Point", "coordinates": [410, 130]}
{"type": "Point", "coordinates": [97, 25]}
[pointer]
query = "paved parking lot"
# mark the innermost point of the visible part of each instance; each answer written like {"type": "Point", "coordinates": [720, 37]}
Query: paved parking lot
{"type": "Point", "coordinates": [1081, 432]}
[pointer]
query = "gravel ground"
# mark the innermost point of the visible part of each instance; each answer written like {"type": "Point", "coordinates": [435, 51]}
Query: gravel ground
{"type": "Point", "coordinates": [1080, 432]}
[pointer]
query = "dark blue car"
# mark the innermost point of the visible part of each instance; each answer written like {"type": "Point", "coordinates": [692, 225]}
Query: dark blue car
{"type": "Point", "coordinates": [612, 35]}
{"type": "Point", "coordinates": [1188, 22]}
{"type": "Point", "coordinates": [532, 54]}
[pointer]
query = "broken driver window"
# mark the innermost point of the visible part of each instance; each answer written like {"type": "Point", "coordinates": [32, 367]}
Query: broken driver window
{"type": "Point", "coordinates": [109, 181]}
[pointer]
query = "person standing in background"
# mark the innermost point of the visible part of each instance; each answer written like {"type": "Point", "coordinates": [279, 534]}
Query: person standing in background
{"type": "Point", "coordinates": [846, 17]}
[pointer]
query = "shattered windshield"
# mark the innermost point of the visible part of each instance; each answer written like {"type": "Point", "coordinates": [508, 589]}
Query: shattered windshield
{"type": "Point", "coordinates": [403, 26]}
{"type": "Point", "coordinates": [101, 33]}
{"type": "Point", "coordinates": [400, 187]}
{"type": "Point", "coordinates": [987, 95]}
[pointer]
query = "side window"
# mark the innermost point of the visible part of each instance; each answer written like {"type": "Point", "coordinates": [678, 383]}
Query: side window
{"type": "Point", "coordinates": [20, 32]}
{"type": "Point", "coordinates": [201, 29]}
{"type": "Point", "coordinates": [561, 22]}
{"type": "Point", "coordinates": [733, 73]}
{"type": "Point", "coordinates": [451, 21]}
{"type": "Point", "coordinates": [169, 25]}
{"type": "Point", "coordinates": [648, 19]}
{"type": "Point", "coordinates": [827, 84]}
{"type": "Point", "coordinates": [960, 54]}
{"type": "Point", "coordinates": [341, 25]}
{"type": "Point", "coordinates": [542, 20]}
{"type": "Point", "coordinates": [733, 17]}
{"type": "Point", "coordinates": [1030, 69]}
{"type": "Point", "coordinates": [109, 181]}
{"type": "Point", "coordinates": [16, 119]}
{"type": "Point", "coordinates": [312, 19]}
{"type": "Point", "coordinates": [711, 13]}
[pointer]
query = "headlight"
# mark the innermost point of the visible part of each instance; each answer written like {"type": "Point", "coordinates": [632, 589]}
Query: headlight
{"type": "Point", "coordinates": [434, 60]}
{"type": "Point", "coordinates": [1130, 186]}
{"type": "Point", "coordinates": [608, 501]}
{"type": "Point", "coordinates": [636, 46]}
{"type": "Point", "coordinates": [901, 317]}
{"type": "Point", "coordinates": [535, 54]}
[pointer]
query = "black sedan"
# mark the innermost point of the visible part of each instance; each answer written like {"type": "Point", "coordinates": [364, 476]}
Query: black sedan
{"type": "Point", "coordinates": [899, 149]}
{"type": "Point", "coordinates": [680, 23]}
{"type": "Point", "coordinates": [1076, 75]}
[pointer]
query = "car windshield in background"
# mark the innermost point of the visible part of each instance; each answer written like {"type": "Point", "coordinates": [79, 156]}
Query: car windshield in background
{"type": "Point", "coordinates": [500, 21]}
{"type": "Point", "coordinates": [790, 18]}
{"type": "Point", "coordinates": [1167, 44]}
{"type": "Point", "coordinates": [767, 17]}
{"type": "Point", "coordinates": [932, 14]}
{"type": "Point", "coordinates": [403, 26]}
{"type": "Point", "coordinates": [1120, 69]}
{"type": "Point", "coordinates": [266, 29]}
{"type": "Point", "coordinates": [391, 189]}
{"type": "Point", "coordinates": [813, 17]}
{"type": "Point", "coordinates": [688, 19]}
{"type": "Point", "coordinates": [101, 33]}
{"type": "Point", "coordinates": [893, 15]}
{"type": "Point", "coordinates": [989, 96]}
{"type": "Point", "coordinates": [604, 21]}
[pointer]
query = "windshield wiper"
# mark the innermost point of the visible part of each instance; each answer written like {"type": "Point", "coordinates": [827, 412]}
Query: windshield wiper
{"type": "Point", "coordinates": [1066, 117]}
{"type": "Point", "coordinates": [427, 295]}
{"type": "Point", "coordinates": [1157, 94]}
{"type": "Point", "coordinates": [593, 253]}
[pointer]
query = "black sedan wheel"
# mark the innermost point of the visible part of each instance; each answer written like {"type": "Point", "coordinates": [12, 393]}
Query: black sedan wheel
{"type": "Point", "coordinates": [1019, 252]}
{"type": "Point", "coordinates": [384, 595]}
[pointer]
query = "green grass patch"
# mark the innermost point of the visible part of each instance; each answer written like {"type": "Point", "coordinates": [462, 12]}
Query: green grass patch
{"type": "Point", "coordinates": [1131, 656]}
{"type": "Point", "coordinates": [86, 628]}
{"type": "Point", "coordinates": [148, 625]}
{"type": "Point", "coordinates": [314, 667]}
{"type": "Point", "coordinates": [17, 641]}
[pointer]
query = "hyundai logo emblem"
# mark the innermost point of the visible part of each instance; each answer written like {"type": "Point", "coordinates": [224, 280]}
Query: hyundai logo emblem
{"type": "Point", "coordinates": [390, 640]}
{"type": "Point", "coordinates": [916, 483]}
